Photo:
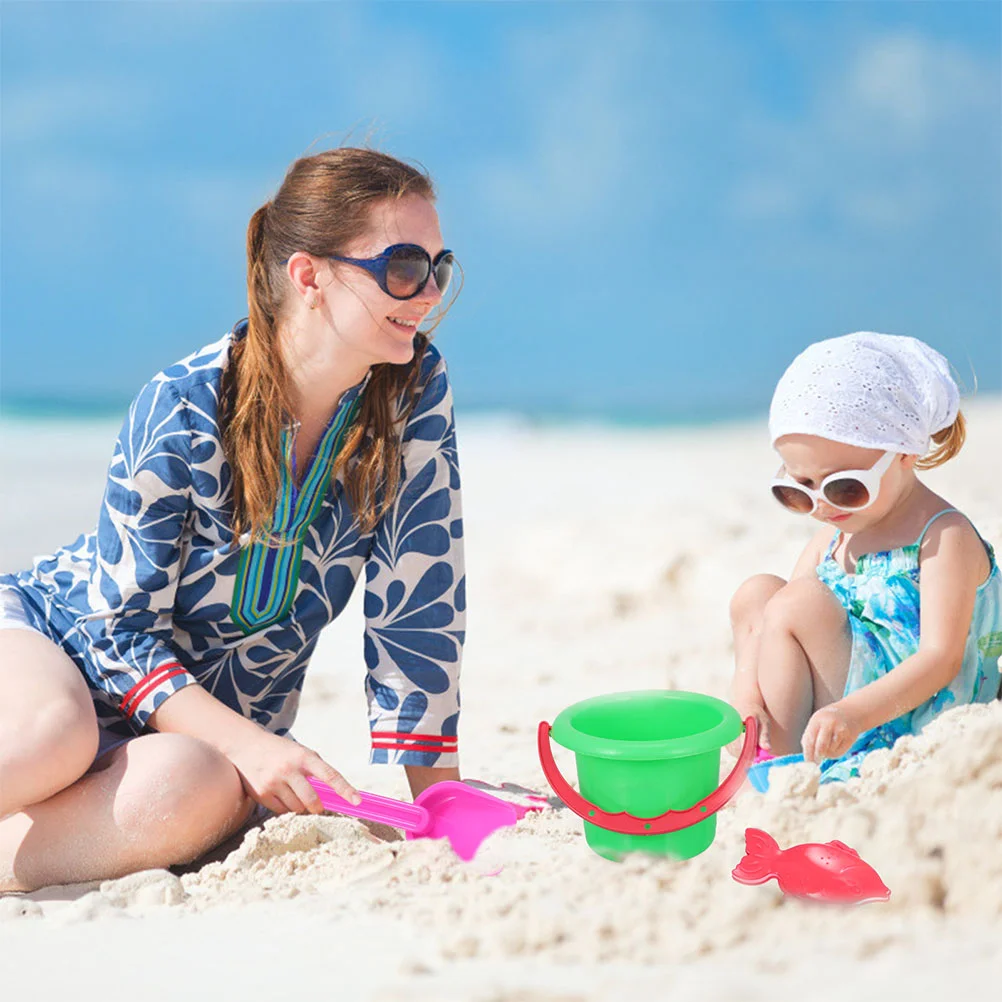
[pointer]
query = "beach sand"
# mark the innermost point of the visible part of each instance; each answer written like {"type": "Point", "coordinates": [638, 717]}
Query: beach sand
{"type": "Point", "coordinates": [599, 560]}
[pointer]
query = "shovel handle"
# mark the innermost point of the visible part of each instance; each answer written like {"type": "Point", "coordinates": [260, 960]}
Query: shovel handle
{"type": "Point", "coordinates": [671, 821]}
{"type": "Point", "coordinates": [410, 817]}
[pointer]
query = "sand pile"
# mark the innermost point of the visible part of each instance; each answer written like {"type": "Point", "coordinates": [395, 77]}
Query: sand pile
{"type": "Point", "coordinates": [589, 579]}
{"type": "Point", "coordinates": [926, 814]}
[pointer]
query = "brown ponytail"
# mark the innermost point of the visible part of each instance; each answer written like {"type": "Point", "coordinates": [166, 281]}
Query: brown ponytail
{"type": "Point", "coordinates": [948, 443]}
{"type": "Point", "coordinates": [323, 204]}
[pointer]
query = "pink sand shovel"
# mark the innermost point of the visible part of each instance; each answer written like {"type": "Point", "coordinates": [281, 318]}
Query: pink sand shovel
{"type": "Point", "coordinates": [449, 809]}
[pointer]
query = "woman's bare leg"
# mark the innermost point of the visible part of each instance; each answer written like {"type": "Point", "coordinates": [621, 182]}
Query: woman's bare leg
{"type": "Point", "coordinates": [159, 800]}
{"type": "Point", "coordinates": [803, 658]}
{"type": "Point", "coordinates": [48, 729]}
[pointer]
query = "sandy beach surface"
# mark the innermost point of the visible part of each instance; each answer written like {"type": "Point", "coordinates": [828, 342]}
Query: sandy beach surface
{"type": "Point", "coordinates": [599, 560]}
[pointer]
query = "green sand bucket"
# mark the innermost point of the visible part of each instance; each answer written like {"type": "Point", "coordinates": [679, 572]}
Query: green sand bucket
{"type": "Point", "coordinates": [648, 764]}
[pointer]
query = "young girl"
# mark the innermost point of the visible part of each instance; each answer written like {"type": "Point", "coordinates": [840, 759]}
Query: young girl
{"type": "Point", "coordinates": [893, 612]}
{"type": "Point", "coordinates": [151, 670]}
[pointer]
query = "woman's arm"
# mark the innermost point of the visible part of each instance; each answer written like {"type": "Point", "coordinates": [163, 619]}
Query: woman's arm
{"type": "Point", "coordinates": [273, 768]}
{"type": "Point", "coordinates": [131, 594]}
{"type": "Point", "coordinates": [132, 587]}
{"type": "Point", "coordinates": [953, 563]}
{"type": "Point", "coordinates": [420, 777]}
{"type": "Point", "coordinates": [415, 597]}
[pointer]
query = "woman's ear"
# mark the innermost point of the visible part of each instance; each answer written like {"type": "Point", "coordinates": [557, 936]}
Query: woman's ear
{"type": "Point", "coordinates": [302, 271]}
{"type": "Point", "coordinates": [908, 461]}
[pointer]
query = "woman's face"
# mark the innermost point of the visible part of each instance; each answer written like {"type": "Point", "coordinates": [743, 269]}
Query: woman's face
{"type": "Point", "coordinates": [368, 322]}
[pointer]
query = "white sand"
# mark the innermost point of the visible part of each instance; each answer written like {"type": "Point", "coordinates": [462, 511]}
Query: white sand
{"type": "Point", "coordinates": [598, 561]}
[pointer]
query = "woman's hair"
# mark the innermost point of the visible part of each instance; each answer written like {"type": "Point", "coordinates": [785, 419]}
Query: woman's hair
{"type": "Point", "coordinates": [323, 204]}
{"type": "Point", "coordinates": [947, 442]}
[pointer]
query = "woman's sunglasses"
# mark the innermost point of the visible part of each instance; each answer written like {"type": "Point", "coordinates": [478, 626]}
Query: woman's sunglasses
{"type": "Point", "coordinates": [402, 271]}
{"type": "Point", "coordinates": [847, 490]}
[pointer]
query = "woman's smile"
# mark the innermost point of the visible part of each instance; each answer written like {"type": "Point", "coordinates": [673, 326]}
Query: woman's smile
{"type": "Point", "coordinates": [406, 325]}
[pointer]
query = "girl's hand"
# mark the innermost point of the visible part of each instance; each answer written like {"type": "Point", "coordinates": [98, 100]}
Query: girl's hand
{"type": "Point", "coordinates": [274, 771]}
{"type": "Point", "coordinates": [829, 734]}
{"type": "Point", "coordinates": [760, 714]}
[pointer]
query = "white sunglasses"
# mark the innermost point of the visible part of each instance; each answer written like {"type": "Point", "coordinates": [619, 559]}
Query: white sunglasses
{"type": "Point", "coordinates": [847, 490]}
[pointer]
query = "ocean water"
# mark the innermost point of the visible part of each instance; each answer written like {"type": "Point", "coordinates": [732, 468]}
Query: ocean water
{"type": "Point", "coordinates": [53, 465]}
{"type": "Point", "coordinates": [54, 459]}
{"type": "Point", "coordinates": [47, 409]}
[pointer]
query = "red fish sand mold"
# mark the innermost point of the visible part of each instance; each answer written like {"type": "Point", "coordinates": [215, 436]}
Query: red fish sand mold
{"type": "Point", "coordinates": [819, 872]}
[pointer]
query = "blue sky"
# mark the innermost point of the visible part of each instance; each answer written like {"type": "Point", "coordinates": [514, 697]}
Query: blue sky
{"type": "Point", "coordinates": [656, 204]}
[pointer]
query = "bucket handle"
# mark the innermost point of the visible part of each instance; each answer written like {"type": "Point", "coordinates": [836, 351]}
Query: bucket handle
{"type": "Point", "coordinates": [670, 821]}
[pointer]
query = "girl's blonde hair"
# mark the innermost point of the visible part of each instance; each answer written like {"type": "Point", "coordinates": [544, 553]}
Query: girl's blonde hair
{"type": "Point", "coordinates": [948, 443]}
{"type": "Point", "coordinates": [323, 204]}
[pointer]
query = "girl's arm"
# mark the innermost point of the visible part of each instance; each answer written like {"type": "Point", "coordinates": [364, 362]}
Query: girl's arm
{"type": "Point", "coordinates": [415, 597]}
{"type": "Point", "coordinates": [813, 553]}
{"type": "Point", "coordinates": [953, 563]}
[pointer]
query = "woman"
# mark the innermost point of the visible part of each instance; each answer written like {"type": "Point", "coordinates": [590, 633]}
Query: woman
{"type": "Point", "coordinates": [152, 669]}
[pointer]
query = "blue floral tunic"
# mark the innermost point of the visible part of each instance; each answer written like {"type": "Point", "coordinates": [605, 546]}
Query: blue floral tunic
{"type": "Point", "coordinates": [161, 596]}
{"type": "Point", "coordinates": [882, 601]}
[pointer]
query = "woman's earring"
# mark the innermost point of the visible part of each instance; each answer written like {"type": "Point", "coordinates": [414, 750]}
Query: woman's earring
{"type": "Point", "coordinates": [311, 302]}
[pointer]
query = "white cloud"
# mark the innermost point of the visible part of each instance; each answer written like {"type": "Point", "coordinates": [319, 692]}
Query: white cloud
{"type": "Point", "coordinates": [884, 144]}
{"type": "Point", "coordinates": [168, 21]}
{"type": "Point", "coordinates": [62, 180]}
{"type": "Point", "coordinates": [766, 197]}
{"type": "Point", "coordinates": [213, 203]}
{"type": "Point", "coordinates": [890, 206]}
{"type": "Point", "coordinates": [581, 112]}
{"type": "Point", "coordinates": [49, 110]}
{"type": "Point", "coordinates": [910, 86]}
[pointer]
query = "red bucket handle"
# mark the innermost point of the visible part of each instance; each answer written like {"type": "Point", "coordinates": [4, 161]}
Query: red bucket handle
{"type": "Point", "coordinates": [670, 821]}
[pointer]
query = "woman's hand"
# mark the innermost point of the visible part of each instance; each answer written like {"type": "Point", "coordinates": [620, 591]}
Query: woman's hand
{"type": "Point", "coordinates": [749, 709]}
{"type": "Point", "coordinates": [830, 733]}
{"type": "Point", "coordinates": [274, 771]}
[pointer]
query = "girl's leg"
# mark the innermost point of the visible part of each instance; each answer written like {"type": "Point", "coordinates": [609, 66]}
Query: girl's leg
{"type": "Point", "coordinates": [747, 614]}
{"type": "Point", "coordinates": [48, 729]}
{"type": "Point", "coordinates": [803, 658]}
{"type": "Point", "coordinates": [159, 800]}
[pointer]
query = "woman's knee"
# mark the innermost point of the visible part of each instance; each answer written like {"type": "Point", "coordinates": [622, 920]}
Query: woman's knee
{"type": "Point", "coordinates": [42, 757]}
{"type": "Point", "coordinates": [67, 727]}
{"type": "Point", "coordinates": [48, 728]}
{"type": "Point", "coordinates": [46, 697]}
{"type": "Point", "coordinates": [182, 788]}
{"type": "Point", "coordinates": [59, 724]}
{"type": "Point", "coordinates": [753, 595]}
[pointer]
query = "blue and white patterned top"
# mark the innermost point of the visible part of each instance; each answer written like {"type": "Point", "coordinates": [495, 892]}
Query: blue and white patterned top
{"type": "Point", "coordinates": [159, 597]}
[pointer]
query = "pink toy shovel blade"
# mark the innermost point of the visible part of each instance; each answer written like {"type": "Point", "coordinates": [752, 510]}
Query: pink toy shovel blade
{"type": "Point", "coordinates": [521, 798]}
{"type": "Point", "coordinates": [463, 815]}
{"type": "Point", "coordinates": [449, 810]}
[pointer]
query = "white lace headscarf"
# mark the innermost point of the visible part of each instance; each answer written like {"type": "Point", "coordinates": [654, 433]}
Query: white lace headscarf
{"type": "Point", "coordinates": [877, 391]}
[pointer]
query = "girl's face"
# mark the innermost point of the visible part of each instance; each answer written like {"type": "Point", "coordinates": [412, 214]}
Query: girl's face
{"type": "Point", "coordinates": [369, 323]}
{"type": "Point", "coordinates": [808, 459]}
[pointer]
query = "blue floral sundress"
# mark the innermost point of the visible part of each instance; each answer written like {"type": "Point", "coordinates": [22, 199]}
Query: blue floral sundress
{"type": "Point", "coordinates": [882, 603]}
